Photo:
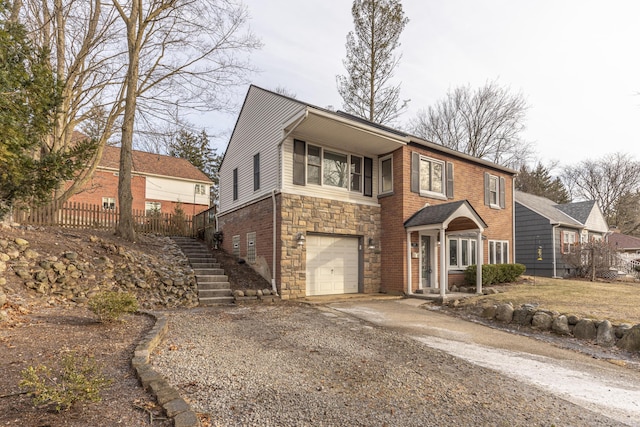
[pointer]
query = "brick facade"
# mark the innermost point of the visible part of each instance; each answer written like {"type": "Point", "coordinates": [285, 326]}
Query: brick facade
{"type": "Point", "coordinates": [402, 204]}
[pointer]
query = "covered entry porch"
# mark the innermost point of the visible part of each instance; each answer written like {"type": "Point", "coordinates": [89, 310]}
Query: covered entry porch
{"type": "Point", "coordinates": [428, 232]}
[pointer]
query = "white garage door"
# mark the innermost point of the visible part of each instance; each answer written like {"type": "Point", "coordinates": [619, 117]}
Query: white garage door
{"type": "Point", "coordinates": [332, 265]}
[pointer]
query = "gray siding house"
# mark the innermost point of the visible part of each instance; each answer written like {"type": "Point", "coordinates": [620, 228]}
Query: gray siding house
{"type": "Point", "coordinates": [547, 231]}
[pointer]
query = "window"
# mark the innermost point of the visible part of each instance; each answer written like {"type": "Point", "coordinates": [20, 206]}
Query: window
{"type": "Point", "coordinates": [494, 191]}
{"type": "Point", "coordinates": [315, 165]}
{"type": "Point", "coordinates": [431, 177]}
{"type": "Point", "coordinates": [568, 241]}
{"type": "Point", "coordinates": [335, 170]}
{"type": "Point", "coordinates": [251, 247]}
{"type": "Point", "coordinates": [256, 172]}
{"type": "Point", "coordinates": [356, 173]}
{"type": "Point", "coordinates": [498, 252]}
{"type": "Point", "coordinates": [235, 184]}
{"type": "Point", "coordinates": [151, 208]}
{"type": "Point", "coordinates": [108, 203]}
{"type": "Point", "coordinates": [201, 189]}
{"type": "Point", "coordinates": [386, 175]}
{"type": "Point", "coordinates": [462, 252]}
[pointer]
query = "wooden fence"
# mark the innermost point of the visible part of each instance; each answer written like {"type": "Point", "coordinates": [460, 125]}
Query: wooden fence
{"type": "Point", "coordinates": [89, 216]}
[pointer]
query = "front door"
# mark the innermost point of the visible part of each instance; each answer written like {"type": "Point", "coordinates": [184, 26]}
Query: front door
{"type": "Point", "coordinates": [425, 252]}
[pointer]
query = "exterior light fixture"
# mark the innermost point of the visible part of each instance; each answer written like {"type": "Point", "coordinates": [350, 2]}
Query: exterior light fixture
{"type": "Point", "coordinates": [371, 243]}
{"type": "Point", "coordinates": [300, 239]}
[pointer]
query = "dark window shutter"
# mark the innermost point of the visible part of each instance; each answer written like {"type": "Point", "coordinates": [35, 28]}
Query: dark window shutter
{"type": "Point", "coordinates": [368, 176]}
{"type": "Point", "coordinates": [299, 162]}
{"type": "Point", "coordinates": [415, 172]}
{"type": "Point", "coordinates": [449, 180]}
{"type": "Point", "coordinates": [256, 172]}
{"type": "Point", "coordinates": [487, 196]}
{"type": "Point", "coordinates": [235, 184]}
{"type": "Point", "coordinates": [502, 184]}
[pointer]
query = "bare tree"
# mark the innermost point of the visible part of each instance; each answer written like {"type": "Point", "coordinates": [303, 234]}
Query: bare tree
{"type": "Point", "coordinates": [184, 50]}
{"type": "Point", "coordinates": [612, 181]}
{"type": "Point", "coordinates": [487, 123]}
{"type": "Point", "coordinates": [366, 90]}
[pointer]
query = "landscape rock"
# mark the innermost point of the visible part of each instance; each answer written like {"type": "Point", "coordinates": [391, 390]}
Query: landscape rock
{"type": "Point", "coordinates": [21, 242]}
{"type": "Point", "coordinates": [573, 319]}
{"type": "Point", "coordinates": [605, 335]}
{"type": "Point", "coordinates": [489, 312]}
{"type": "Point", "coordinates": [504, 313]}
{"type": "Point", "coordinates": [560, 325]}
{"type": "Point", "coordinates": [585, 329]}
{"type": "Point", "coordinates": [631, 340]}
{"type": "Point", "coordinates": [542, 321]}
{"type": "Point", "coordinates": [523, 315]}
{"type": "Point", "coordinates": [621, 329]}
{"type": "Point", "coordinates": [3, 298]}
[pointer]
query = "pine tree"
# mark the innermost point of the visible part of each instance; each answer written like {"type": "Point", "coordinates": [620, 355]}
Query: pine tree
{"type": "Point", "coordinates": [366, 90]}
{"type": "Point", "coordinates": [29, 98]}
{"type": "Point", "coordinates": [539, 182]}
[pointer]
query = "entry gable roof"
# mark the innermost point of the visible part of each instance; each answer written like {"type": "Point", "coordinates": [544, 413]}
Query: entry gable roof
{"type": "Point", "coordinates": [443, 214]}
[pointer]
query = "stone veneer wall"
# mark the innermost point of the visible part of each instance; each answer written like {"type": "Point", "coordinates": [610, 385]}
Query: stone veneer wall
{"type": "Point", "coordinates": [325, 216]}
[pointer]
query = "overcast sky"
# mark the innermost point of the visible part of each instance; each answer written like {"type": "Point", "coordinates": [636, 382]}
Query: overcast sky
{"type": "Point", "coordinates": [576, 62]}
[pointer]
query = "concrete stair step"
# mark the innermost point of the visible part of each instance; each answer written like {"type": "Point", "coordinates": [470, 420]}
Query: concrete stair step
{"type": "Point", "coordinates": [214, 285]}
{"type": "Point", "coordinates": [216, 301]}
{"type": "Point", "coordinates": [211, 278]}
{"type": "Point", "coordinates": [208, 271]}
{"type": "Point", "coordinates": [197, 265]}
{"type": "Point", "coordinates": [202, 259]}
{"type": "Point", "coordinates": [211, 293]}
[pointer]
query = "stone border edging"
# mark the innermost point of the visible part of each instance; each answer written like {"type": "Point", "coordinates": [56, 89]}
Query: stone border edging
{"type": "Point", "coordinates": [168, 397]}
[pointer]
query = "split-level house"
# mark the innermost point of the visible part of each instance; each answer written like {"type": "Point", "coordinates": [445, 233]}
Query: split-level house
{"type": "Point", "coordinates": [158, 183]}
{"type": "Point", "coordinates": [547, 233]}
{"type": "Point", "coordinates": [322, 202]}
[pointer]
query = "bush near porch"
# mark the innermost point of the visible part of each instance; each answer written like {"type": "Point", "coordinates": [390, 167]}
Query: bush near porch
{"type": "Point", "coordinates": [494, 273]}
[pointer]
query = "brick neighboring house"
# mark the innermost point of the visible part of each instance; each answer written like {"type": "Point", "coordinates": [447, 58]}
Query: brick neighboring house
{"type": "Point", "coordinates": [322, 202]}
{"type": "Point", "coordinates": [158, 183]}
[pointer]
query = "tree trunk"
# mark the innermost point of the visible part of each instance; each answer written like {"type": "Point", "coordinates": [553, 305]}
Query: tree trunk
{"type": "Point", "coordinates": [125, 228]}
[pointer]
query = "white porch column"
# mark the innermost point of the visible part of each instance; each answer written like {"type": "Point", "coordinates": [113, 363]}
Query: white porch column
{"type": "Point", "coordinates": [479, 261]}
{"type": "Point", "coordinates": [409, 263]}
{"type": "Point", "coordinates": [443, 264]}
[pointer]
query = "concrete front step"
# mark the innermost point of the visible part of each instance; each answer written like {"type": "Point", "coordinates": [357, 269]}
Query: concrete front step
{"type": "Point", "coordinates": [193, 261]}
{"type": "Point", "coordinates": [212, 278]}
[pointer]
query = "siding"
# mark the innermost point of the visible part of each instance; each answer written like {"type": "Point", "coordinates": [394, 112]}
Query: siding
{"type": "Point", "coordinates": [174, 191]}
{"type": "Point", "coordinates": [533, 230]}
{"type": "Point", "coordinates": [341, 194]}
{"type": "Point", "coordinates": [259, 130]}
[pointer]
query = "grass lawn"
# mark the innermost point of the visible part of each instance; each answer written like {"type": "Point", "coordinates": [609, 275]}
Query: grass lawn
{"type": "Point", "coordinates": [618, 302]}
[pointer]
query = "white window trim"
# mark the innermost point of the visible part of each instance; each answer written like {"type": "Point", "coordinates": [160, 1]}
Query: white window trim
{"type": "Point", "coordinates": [495, 205]}
{"type": "Point", "coordinates": [110, 201]}
{"type": "Point", "coordinates": [504, 254]}
{"type": "Point", "coordinates": [380, 178]}
{"type": "Point", "coordinates": [443, 185]}
{"type": "Point", "coordinates": [572, 244]}
{"type": "Point", "coordinates": [349, 172]}
{"type": "Point", "coordinates": [471, 241]}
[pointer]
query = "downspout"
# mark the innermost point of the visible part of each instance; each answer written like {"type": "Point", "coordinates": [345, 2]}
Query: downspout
{"type": "Point", "coordinates": [409, 292]}
{"type": "Point", "coordinates": [273, 268]}
{"type": "Point", "coordinates": [553, 248]}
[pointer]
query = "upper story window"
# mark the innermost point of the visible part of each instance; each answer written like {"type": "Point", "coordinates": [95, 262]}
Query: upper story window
{"type": "Point", "coordinates": [256, 172]}
{"type": "Point", "coordinates": [316, 165]}
{"type": "Point", "coordinates": [386, 174]}
{"type": "Point", "coordinates": [569, 241]}
{"type": "Point", "coordinates": [235, 184]}
{"type": "Point", "coordinates": [494, 190]}
{"type": "Point", "coordinates": [201, 189]}
{"type": "Point", "coordinates": [335, 169]}
{"type": "Point", "coordinates": [431, 177]}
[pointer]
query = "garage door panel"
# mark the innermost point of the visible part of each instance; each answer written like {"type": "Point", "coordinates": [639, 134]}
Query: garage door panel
{"type": "Point", "coordinates": [332, 265]}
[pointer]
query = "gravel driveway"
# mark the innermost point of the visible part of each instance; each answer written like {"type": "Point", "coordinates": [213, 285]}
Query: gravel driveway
{"type": "Point", "coordinates": [298, 365]}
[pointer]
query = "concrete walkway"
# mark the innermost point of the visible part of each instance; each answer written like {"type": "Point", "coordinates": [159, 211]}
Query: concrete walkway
{"type": "Point", "coordinates": [597, 385]}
